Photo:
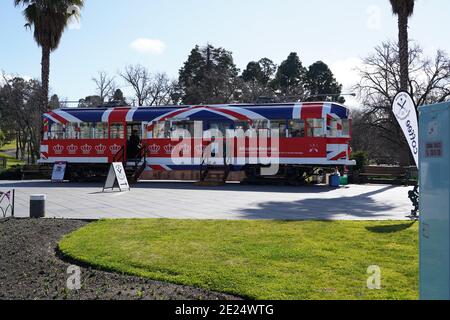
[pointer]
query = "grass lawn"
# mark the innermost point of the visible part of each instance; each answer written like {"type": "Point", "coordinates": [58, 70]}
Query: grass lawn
{"type": "Point", "coordinates": [9, 146]}
{"type": "Point", "coordinates": [11, 161]}
{"type": "Point", "coordinates": [258, 259]}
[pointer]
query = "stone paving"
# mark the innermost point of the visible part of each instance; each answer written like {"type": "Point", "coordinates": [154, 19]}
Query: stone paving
{"type": "Point", "coordinates": [183, 200]}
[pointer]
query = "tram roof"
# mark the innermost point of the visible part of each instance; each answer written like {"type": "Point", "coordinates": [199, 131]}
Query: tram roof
{"type": "Point", "coordinates": [203, 112]}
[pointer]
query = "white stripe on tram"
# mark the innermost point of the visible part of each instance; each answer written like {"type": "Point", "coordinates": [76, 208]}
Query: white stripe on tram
{"type": "Point", "coordinates": [106, 114]}
{"type": "Point", "coordinates": [297, 113]}
{"type": "Point", "coordinates": [67, 116]}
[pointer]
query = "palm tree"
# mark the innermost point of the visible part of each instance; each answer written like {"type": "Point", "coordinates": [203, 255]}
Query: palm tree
{"type": "Point", "coordinates": [404, 10]}
{"type": "Point", "coordinates": [49, 18]}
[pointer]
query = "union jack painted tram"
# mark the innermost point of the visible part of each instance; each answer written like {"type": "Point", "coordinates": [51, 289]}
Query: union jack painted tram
{"type": "Point", "coordinates": [312, 135]}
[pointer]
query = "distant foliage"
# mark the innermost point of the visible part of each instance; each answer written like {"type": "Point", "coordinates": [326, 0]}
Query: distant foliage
{"type": "Point", "coordinates": [19, 116]}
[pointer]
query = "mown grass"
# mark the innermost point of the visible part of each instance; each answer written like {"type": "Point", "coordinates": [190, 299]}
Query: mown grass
{"type": "Point", "coordinates": [9, 146]}
{"type": "Point", "coordinates": [11, 161]}
{"type": "Point", "coordinates": [258, 259]}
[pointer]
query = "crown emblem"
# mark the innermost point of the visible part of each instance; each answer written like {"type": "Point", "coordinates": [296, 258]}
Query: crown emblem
{"type": "Point", "coordinates": [58, 149]}
{"type": "Point", "coordinates": [100, 149]}
{"type": "Point", "coordinates": [154, 149]}
{"type": "Point", "coordinates": [115, 148]}
{"type": "Point", "coordinates": [72, 149]}
{"type": "Point", "coordinates": [86, 149]}
{"type": "Point", "coordinates": [314, 148]}
{"type": "Point", "coordinates": [168, 148]}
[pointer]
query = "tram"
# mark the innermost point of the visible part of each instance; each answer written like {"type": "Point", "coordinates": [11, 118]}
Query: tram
{"type": "Point", "coordinates": [310, 135]}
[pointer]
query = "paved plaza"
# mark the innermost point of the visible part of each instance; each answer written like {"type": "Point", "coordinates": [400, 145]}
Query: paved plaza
{"type": "Point", "coordinates": [181, 200]}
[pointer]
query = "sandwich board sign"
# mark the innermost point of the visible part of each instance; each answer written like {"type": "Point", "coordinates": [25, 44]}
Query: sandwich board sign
{"type": "Point", "coordinates": [117, 173]}
{"type": "Point", "coordinates": [59, 171]}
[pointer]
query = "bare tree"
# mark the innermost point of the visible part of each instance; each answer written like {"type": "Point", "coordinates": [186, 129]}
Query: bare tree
{"type": "Point", "coordinates": [161, 90]}
{"type": "Point", "coordinates": [380, 82]}
{"type": "Point", "coordinates": [106, 85]}
{"type": "Point", "coordinates": [139, 78]}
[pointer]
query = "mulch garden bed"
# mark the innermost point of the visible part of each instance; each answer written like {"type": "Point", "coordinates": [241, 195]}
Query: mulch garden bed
{"type": "Point", "coordinates": [30, 268]}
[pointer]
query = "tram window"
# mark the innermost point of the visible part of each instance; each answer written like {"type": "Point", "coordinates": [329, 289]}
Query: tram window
{"type": "Point", "coordinates": [117, 131]}
{"type": "Point", "coordinates": [241, 125]}
{"type": "Point", "coordinates": [56, 131]}
{"type": "Point", "coordinates": [345, 127]}
{"type": "Point", "coordinates": [296, 129]}
{"type": "Point", "coordinates": [86, 130]}
{"type": "Point", "coordinates": [279, 125]}
{"type": "Point", "coordinates": [100, 131]}
{"type": "Point", "coordinates": [339, 128]}
{"type": "Point", "coordinates": [92, 130]}
{"type": "Point", "coordinates": [134, 127]}
{"type": "Point", "coordinates": [260, 124]}
{"type": "Point", "coordinates": [333, 132]}
{"type": "Point", "coordinates": [315, 128]}
{"type": "Point", "coordinates": [72, 131]}
{"type": "Point", "coordinates": [161, 130]}
{"type": "Point", "coordinates": [184, 129]}
{"type": "Point", "coordinates": [221, 126]}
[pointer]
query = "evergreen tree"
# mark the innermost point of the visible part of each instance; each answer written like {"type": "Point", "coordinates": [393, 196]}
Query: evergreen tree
{"type": "Point", "coordinates": [321, 81]}
{"type": "Point", "coordinates": [290, 79]}
{"type": "Point", "coordinates": [256, 81]}
{"type": "Point", "coordinates": [208, 76]}
{"type": "Point", "coordinates": [54, 102]}
{"type": "Point", "coordinates": [118, 96]}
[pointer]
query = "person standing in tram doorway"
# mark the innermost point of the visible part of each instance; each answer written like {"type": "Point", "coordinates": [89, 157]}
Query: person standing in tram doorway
{"type": "Point", "coordinates": [134, 146]}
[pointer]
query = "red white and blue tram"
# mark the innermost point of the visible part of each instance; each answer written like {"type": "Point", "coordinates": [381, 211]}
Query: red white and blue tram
{"type": "Point", "coordinates": [312, 135]}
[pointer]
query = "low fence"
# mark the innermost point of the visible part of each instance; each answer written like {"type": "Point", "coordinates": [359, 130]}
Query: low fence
{"type": "Point", "coordinates": [7, 203]}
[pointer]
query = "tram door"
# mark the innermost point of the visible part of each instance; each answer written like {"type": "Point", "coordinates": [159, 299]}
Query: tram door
{"type": "Point", "coordinates": [134, 131]}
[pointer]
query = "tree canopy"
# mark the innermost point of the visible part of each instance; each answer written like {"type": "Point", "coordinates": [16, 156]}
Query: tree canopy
{"type": "Point", "coordinates": [320, 82]}
{"type": "Point", "coordinates": [208, 76]}
{"type": "Point", "coordinates": [290, 79]}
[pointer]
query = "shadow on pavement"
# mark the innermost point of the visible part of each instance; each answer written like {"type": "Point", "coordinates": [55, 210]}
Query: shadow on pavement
{"type": "Point", "coordinates": [357, 207]}
{"type": "Point", "coordinates": [182, 185]}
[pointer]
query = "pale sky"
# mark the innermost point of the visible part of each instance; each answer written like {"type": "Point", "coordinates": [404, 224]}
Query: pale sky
{"type": "Point", "coordinates": [159, 34]}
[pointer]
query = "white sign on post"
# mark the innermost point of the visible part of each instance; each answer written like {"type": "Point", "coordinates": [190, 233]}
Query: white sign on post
{"type": "Point", "coordinates": [59, 171]}
{"type": "Point", "coordinates": [117, 173]}
{"type": "Point", "coordinates": [404, 109]}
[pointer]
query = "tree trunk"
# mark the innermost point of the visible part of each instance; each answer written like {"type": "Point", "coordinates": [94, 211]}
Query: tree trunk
{"type": "Point", "coordinates": [17, 146]}
{"type": "Point", "coordinates": [45, 76]}
{"type": "Point", "coordinates": [403, 51]}
{"type": "Point", "coordinates": [403, 42]}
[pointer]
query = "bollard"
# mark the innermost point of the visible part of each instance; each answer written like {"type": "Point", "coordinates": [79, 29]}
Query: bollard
{"type": "Point", "coordinates": [37, 206]}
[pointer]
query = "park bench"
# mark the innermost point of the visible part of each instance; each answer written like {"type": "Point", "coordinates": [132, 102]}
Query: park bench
{"type": "Point", "coordinates": [36, 172]}
{"type": "Point", "coordinates": [388, 174]}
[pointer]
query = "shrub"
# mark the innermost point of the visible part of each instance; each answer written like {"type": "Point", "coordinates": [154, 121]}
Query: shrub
{"type": "Point", "coordinates": [361, 159]}
{"type": "Point", "coordinates": [14, 173]}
